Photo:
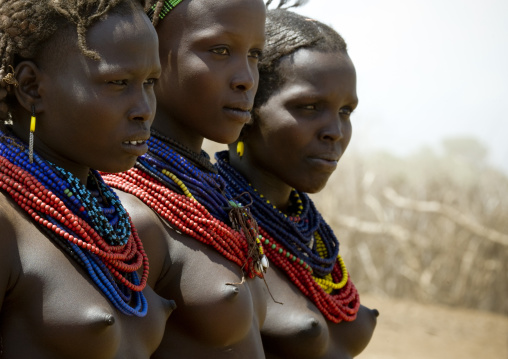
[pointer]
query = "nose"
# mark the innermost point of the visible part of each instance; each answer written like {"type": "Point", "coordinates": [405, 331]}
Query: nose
{"type": "Point", "coordinates": [245, 76]}
{"type": "Point", "coordinates": [144, 104]}
{"type": "Point", "coordinates": [333, 129]}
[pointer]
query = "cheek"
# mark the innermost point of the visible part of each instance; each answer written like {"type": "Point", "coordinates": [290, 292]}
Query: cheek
{"type": "Point", "coordinates": [347, 134]}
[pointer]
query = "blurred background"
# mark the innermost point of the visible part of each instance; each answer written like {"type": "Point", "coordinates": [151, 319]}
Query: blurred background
{"type": "Point", "coordinates": [420, 199]}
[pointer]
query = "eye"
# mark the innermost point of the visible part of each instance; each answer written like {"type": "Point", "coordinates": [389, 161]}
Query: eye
{"type": "Point", "coordinates": [346, 111]}
{"type": "Point", "coordinates": [224, 51]}
{"type": "Point", "coordinates": [311, 107]}
{"type": "Point", "coordinates": [255, 54]}
{"type": "Point", "coordinates": [118, 82]}
{"type": "Point", "coordinates": [151, 81]}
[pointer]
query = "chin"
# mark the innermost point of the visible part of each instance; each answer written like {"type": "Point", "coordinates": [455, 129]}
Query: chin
{"type": "Point", "coordinates": [314, 186]}
{"type": "Point", "coordinates": [118, 166]}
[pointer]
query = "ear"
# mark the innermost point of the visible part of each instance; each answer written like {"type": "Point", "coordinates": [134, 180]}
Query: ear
{"type": "Point", "coordinates": [27, 92]}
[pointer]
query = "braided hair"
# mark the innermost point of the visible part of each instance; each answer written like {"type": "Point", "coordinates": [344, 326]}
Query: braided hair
{"type": "Point", "coordinates": [25, 25]}
{"type": "Point", "coordinates": [287, 32]}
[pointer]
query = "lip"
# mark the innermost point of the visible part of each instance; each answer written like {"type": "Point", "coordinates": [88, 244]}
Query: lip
{"type": "Point", "coordinates": [326, 160]}
{"type": "Point", "coordinates": [136, 145]}
{"type": "Point", "coordinates": [239, 112]}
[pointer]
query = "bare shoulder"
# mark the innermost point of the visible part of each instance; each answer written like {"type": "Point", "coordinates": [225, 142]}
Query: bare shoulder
{"type": "Point", "coordinates": [9, 257]}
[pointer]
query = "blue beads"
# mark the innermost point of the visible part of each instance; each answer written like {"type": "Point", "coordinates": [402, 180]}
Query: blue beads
{"type": "Point", "coordinates": [99, 207]}
{"type": "Point", "coordinates": [208, 188]}
{"type": "Point", "coordinates": [296, 236]}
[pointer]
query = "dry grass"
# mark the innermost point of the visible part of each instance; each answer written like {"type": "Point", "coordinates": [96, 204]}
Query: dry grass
{"type": "Point", "coordinates": [428, 227]}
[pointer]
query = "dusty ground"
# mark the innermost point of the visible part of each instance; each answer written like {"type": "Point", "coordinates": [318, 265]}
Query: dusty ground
{"type": "Point", "coordinates": [415, 331]}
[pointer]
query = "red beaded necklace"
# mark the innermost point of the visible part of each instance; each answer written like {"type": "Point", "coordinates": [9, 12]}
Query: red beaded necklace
{"type": "Point", "coordinates": [187, 216]}
{"type": "Point", "coordinates": [337, 306]}
{"type": "Point", "coordinates": [34, 198]}
{"type": "Point", "coordinates": [190, 217]}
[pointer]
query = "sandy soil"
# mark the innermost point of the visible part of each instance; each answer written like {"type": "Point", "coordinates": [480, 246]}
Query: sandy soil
{"type": "Point", "coordinates": [416, 331]}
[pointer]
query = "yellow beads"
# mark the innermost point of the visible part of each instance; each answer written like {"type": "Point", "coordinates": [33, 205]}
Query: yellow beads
{"type": "Point", "coordinates": [327, 283]}
{"type": "Point", "coordinates": [178, 182]}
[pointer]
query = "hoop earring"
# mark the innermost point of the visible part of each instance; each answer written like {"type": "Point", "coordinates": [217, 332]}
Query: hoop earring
{"type": "Point", "coordinates": [31, 136]}
{"type": "Point", "coordinates": [240, 147]}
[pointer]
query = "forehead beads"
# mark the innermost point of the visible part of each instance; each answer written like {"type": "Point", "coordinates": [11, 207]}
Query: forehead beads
{"type": "Point", "coordinates": [166, 8]}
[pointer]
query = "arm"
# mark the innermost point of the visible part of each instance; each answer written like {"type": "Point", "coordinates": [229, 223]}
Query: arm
{"type": "Point", "coordinates": [8, 251]}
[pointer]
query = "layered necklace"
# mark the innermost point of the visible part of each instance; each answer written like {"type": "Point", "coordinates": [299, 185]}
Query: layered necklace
{"type": "Point", "coordinates": [184, 188]}
{"type": "Point", "coordinates": [88, 223]}
{"type": "Point", "coordinates": [302, 244]}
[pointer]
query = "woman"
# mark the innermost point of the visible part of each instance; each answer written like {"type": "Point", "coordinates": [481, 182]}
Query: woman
{"type": "Point", "coordinates": [76, 95]}
{"type": "Point", "coordinates": [301, 127]}
{"type": "Point", "coordinates": [209, 53]}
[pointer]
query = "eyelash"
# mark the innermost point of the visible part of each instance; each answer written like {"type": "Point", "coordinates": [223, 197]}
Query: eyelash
{"type": "Point", "coordinates": [346, 111]}
{"type": "Point", "coordinates": [150, 81]}
{"type": "Point", "coordinates": [224, 51]}
{"type": "Point", "coordinates": [255, 54]}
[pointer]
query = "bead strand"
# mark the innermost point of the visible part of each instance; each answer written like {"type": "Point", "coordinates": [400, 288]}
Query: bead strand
{"type": "Point", "coordinates": [83, 223]}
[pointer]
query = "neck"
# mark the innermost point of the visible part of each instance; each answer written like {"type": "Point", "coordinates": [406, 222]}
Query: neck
{"type": "Point", "coordinates": [20, 129]}
{"type": "Point", "coordinates": [171, 128]}
{"type": "Point", "coordinates": [271, 187]}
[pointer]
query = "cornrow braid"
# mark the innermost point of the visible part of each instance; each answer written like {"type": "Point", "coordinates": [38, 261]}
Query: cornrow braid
{"type": "Point", "coordinates": [287, 32]}
{"type": "Point", "coordinates": [26, 24]}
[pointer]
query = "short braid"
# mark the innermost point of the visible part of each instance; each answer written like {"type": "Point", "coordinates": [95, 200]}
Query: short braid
{"type": "Point", "coordinates": [287, 32]}
{"type": "Point", "coordinates": [26, 24]}
{"type": "Point", "coordinates": [286, 4]}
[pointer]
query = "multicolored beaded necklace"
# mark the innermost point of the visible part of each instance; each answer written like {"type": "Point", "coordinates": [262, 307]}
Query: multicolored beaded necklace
{"type": "Point", "coordinates": [302, 245]}
{"type": "Point", "coordinates": [91, 226]}
{"type": "Point", "coordinates": [194, 201]}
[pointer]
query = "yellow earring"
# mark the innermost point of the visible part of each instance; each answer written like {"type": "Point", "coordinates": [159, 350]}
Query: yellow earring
{"type": "Point", "coordinates": [31, 136]}
{"type": "Point", "coordinates": [240, 148]}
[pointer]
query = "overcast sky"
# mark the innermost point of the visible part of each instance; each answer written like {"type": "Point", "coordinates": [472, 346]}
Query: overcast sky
{"type": "Point", "coordinates": [427, 70]}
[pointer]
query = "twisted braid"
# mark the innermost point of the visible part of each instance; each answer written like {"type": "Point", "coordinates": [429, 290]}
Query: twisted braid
{"type": "Point", "coordinates": [286, 4]}
{"type": "Point", "coordinates": [286, 32]}
{"type": "Point", "coordinates": [26, 24]}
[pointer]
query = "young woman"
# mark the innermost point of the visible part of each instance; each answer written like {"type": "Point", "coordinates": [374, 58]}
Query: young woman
{"type": "Point", "coordinates": [301, 127]}
{"type": "Point", "coordinates": [76, 94]}
{"type": "Point", "coordinates": [209, 53]}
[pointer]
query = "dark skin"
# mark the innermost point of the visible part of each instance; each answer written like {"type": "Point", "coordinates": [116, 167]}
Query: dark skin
{"type": "Point", "coordinates": [297, 138]}
{"type": "Point", "coordinates": [50, 307]}
{"type": "Point", "coordinates": [208, 53]}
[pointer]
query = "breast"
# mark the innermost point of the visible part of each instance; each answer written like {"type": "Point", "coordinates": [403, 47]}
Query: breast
{"type": "Point", "coordinates": [214, 306]}
{"type": "Point", "coordinates": [297, 329]}
{"type": "Point", "coordinates": [57, 311]}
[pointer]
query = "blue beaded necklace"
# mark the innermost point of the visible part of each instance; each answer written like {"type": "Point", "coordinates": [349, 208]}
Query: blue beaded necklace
{"type": "Point", "coordinates": [206, 186]}
{"type": "Point", "coordinates": [99, 207]}
{"type": "Point", "coordinates": [295, 233]}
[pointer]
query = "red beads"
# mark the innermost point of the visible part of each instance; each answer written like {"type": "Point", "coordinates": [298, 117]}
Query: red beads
{"type": "Point", "coordinates": [186, 215]}
{"type": "Point", "coordinates": [34, 198]}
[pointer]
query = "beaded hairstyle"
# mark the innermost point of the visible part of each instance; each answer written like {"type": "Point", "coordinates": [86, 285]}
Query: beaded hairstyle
{"type": "Point", "coordinates": [161, 9]}
{"type": "Point", "coordinates": [26, 24]}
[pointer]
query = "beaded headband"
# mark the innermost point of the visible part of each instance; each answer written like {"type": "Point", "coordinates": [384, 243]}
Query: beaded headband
{"type": "Point", "coordinates": [166, 8]}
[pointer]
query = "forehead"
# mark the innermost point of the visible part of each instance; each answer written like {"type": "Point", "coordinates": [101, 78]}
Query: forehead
{"type": "Point", "coordinates": [308, 73]}
{"type": "Point", "coordinates": [313, 66]}
{"type": "Point", "coordinates": [119, 38]}
{"type": "Point", "coordinates": [119, 29]}
{"type": "Point", "coordinates": [212, 17]}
